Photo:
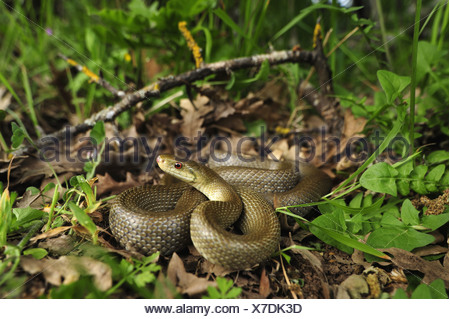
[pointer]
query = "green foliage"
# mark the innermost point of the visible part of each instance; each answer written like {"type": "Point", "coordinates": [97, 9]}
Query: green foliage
{"type": "Point", "coordinates": [97, 135]}
{"type": "Point", "coordinates": [435, 290]}
{"type": "Point", "coordinates": [6, 203]}
{"type": "Point", "coordinates": [137, 274]}
{"type": "Point", "coordinates": [422, 179]}
{"type": "Point", "coordinates": [37, 253]}
{"type": "Point", "coordinates": [82, 288]}
{"type": "Point", "coordinates": [224, 290]}
{"type": "Point", "coordinates": [392, 84]}
{"type": "Point", "coordinates": [24, 218]}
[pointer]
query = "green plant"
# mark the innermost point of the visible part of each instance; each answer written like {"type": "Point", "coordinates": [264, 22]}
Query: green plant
{"type": "Point", "coordinates": [224, 290]}
{"type": "Point", "coordinates": [435, 290]}
{"type": "Point", "coordinates": [137, 274]}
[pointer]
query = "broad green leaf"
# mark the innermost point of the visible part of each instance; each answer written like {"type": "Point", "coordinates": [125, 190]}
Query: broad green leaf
{"type": "Point", "coordinates": [437, 157]}
{"type": "Point", "coordinates": [434, 221]}
{"type": "Point", "coordinates": [400, 294]}
{"type": "Point", "coordinates": [348, 242]}
{"type": "Point", "coordinates": [403, 180]}
{"type": "Point", "coordinates": [417, 183]}
{"type": "Point", "coordinates": [435, 290]}
{"type": "Point", "coordinates": [37, 253]}
{"type": "Point", "coordinates": [144, 278]}
{"type": "Point", "coordinates": [428, 55]}
{"type": "Point", "coordinates": [400, 237]}
{"type": "Point", "coordinates": [33, 190]}
{"type": "Point", "coordinates": [435, 173]}
{"type": "Point", "coordinates": [18, 135]}
{"type": "Point", "coordinates": [23, 216]}
{"type": "Point", "coordinates": [398, 124]}
{"type": "Point", "coordinates": [380, 178]}
{"type": "Point", "coordinates": [98, 132]}
{"type": "Point", "coordinates": [410, 215]}
{"type": "Point", "coordinates": [83, 218]}
{"type": "Point", "coordinates": [356, 201]}
{"type": "Point", "coordinates": [389, 220]}
{"type": "Point", "coordinates": [91, 40]}
{"type": "Point", "coordinates": [392, 84]}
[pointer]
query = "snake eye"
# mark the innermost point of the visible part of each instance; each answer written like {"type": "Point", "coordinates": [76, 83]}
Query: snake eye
{"type": "Point", "coordinates": [178, 165]}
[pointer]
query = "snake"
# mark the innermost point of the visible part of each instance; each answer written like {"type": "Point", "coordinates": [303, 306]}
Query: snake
{"type": "Point", "coordinates": [210, 200]}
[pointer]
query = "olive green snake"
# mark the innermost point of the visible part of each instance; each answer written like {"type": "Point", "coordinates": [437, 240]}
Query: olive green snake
{"type": "Point", "coordinates": [163, 218]}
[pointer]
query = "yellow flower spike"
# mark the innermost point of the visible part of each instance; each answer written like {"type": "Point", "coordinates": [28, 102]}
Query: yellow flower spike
{"type": "Point", "coordinates": [317, 34]}
{"type": "Point", "coordinates": [192, 45]}
{"type": "Point", "coordinates": [94, 77]}
{"type": "Point", "coordinates": [72, 62]}
{"type": "Point", "coordinates": [127, 57]}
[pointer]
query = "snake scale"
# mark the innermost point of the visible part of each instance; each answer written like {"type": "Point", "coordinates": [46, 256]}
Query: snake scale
{"type": "Point", "coordinates": [163, 218]}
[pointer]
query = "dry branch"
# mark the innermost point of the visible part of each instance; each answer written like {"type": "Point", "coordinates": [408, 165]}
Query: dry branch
{"type": "Point", "coordinates": [315, 57]}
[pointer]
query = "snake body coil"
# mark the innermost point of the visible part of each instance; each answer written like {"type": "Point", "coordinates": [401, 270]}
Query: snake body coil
{"type": "Point", "coordinates": [157, 218]}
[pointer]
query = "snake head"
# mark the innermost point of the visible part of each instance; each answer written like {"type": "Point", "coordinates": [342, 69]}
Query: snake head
{"type": "Point", "coordinates": [185, 171]}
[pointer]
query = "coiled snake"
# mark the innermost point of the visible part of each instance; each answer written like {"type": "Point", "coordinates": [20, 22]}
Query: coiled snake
{"type": "Point", "coordinates": [163, 218]}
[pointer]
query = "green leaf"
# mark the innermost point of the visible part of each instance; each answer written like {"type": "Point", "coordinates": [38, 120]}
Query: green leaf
{"type": "Point", "coordinates": [437, 157]}
{"type": "Point", "coordinates": [418, 176]}
{"type": "Point", "coordinates": [144, 278]}
{"type": "Point", "coordinates": [410, 215]}
{"type": "Point", "coordinates": [391, 218]}
{"type": "Point", "coordinates": [91, 40]}
{"type": "Point", "coordinates": [428, 55]}
{"type": "Point", "coordinates": [404, 170]}
{"type": "Point", "coordinates": [356, 201]}
{"type": "Point", "coordinates": [435, 173]}
{"type": "Point", "coordinates": [434, 221]}
{"type": "Point", "coordinates": [433, 177]}
{"type": "Point", "coordinates": [380, 178]}
{"type": "Point", "coordinates": [349, 242]}
{"type": "Point", "coordinates": [400, 237]}
{"type": "Point", "coordinates": [262, 74]}
{"type": "Point", "coordinates": [331, 229]}
{"type": "Point", "coordinates": [18, 135]}
{"type": "Point", "coordinates": [400, 294]}
{"type": "Point", "coordinates": [37, 253]}
{"type": "Point", "coordinates": [435, 290]}
{"type": "Point", "coordinates": [83, 218]}
{"type": "Point", "coordinates": [98, 132]}
{"type": "Point", "coordinates": [398, 124]}
{"type": "Point", "coordinates": [33, 190]}
{"type": "Point", "coordinates": [228, 21]}
{"type": "Point", "coordinates": [392, 84]}
{"type": "Point", "coordinates": [305, 12]}
{"type": "Point", "coordinates": [23, 216]}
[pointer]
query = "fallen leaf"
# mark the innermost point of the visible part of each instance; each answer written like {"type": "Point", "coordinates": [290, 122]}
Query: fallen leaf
{"type": "Point", "coordinates": [264, 284]}
{"type": "Point", "coordinates": [431, 269]}
{"type": "Point", "coordinates": [67, 269]}
{"type": "Point", "coordinates": [193, 117]}
{"type": "Point", "coordinates": [222, 109]}
{"type": "Point", "coordinates": [185, 282]}
{"type": "Point", "coordinates": [61, 245]}
{"type": "Point", "coordinates": [430, 250]}
{"type": "Point", "coordinates": [51, 233]}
